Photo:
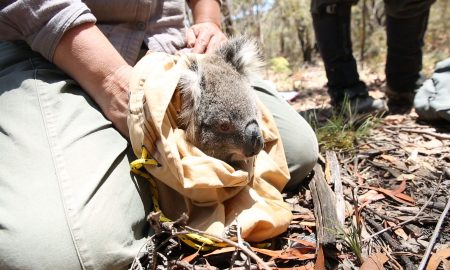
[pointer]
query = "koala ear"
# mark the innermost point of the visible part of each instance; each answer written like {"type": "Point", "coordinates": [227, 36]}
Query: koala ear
{"type": "Point", "coordinates": [243, 54]}
{"type": "Point", "coordinates": [189, 85]}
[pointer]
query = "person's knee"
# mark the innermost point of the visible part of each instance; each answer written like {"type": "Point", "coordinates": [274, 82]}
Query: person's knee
{"type": "Point", "coordinates": [301, 155]}
{"type": "Point", "coordinates": [298, 138]}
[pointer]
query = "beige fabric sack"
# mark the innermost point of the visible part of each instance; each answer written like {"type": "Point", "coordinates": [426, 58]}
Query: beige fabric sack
{"type": "Point", "coordinates": [212, 193]}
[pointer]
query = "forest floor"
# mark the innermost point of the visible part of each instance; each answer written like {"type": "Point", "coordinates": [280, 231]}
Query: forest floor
{"type": "Point", "coordinates": [396, 175]}
{"type": "Point", "coordinates": [393, 177]}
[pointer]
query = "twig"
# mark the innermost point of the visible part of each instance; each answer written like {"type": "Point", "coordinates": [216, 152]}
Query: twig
{"type": "Point", "coordinates": [406, 221]}
{"type": "Point", "coordinates": [367, 208]}
{"type": "Point", "coordinates": [186, 265]}
{"type": "Point", "coordinates": [246, 250]}
{"type": "Point", "coordinates": [391, 242]}
{"type": "Point", "coordinates": [434, 237]}
{"type": "Point", "coordinates": [434, 134]}
{"type": "Point", "coordinates": [136, 262]}
{"type": "Point", "coordinates": [395, 264]}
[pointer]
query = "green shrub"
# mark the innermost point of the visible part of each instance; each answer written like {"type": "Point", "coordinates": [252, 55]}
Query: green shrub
{"type": "Point", "coordinates": [280, 65]}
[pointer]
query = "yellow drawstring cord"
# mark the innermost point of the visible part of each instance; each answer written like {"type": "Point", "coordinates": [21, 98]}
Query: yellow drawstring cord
{"type": "Point", "coordinates": [192, 239]}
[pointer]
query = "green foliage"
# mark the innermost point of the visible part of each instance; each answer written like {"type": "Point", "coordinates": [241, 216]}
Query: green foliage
{"type": "Point", "coordinates": [280, 65]}
{"type": "Point", "coordinates": [281, 25]}
{"type": "Point", "coordinates": [352, 240]}
{"type": "Point", "coordinates": [343, 129]}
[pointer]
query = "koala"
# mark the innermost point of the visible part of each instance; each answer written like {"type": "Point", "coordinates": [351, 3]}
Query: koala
{"type": "Point", "coordinates": [219, 111]}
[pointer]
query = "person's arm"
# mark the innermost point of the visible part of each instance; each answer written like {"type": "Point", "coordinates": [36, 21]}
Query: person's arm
{"type": "Point", "coordinates": [205, 35]}
{"type": "Point", "coordinates": [86, 55]}
{"type": "Point", "coordinates": [41, 23]}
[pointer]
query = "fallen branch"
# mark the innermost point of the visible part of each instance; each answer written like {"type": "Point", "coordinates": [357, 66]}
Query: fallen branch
{"type": "Point", "coordinates": [367, 208]}
{"type": "Point", "coordinates": [434, 237]}
{"type": "Point", "coordinates": [434, 134]}
{"type": "Point", "coordinates": [324, 208]}
{"type": "Point", "coordinates": [334, 172]}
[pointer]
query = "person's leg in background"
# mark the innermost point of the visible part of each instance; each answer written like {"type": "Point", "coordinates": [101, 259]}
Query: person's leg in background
{"type": "Point", "coordinates": [406, 24]}
{"type": "Point", "coordinates": [331, 23]}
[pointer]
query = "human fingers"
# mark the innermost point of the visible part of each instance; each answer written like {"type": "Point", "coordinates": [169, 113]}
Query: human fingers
{"type": "Point", "coordinates": [202, 41]}
{"type": "Point", "coordinates": [215, 42]}
{"type": "Point", "coordinates": [191, 37]}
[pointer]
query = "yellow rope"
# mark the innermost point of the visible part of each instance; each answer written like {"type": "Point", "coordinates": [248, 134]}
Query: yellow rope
{"type": "Point", "coordinates": [192, 239]}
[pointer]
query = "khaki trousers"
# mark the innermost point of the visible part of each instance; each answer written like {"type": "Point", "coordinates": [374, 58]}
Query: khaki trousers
{"type": "Point", "coordinates": [67, 198]}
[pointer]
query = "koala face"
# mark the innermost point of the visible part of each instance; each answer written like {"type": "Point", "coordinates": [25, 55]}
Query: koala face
{"type": "Point", "coordinates": [219, 111]}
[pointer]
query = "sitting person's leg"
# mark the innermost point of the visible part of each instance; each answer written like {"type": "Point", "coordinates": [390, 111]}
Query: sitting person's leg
{"type": "Point", "coordinates": [331, 23]}
{"type": "Point", "coordinates": [67, 200]}
{"type": "Point", "coordinates": [297, 136]}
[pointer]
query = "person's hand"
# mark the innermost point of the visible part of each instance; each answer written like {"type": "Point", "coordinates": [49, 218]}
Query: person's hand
{"type": "Point", "coordinates": [205, 37]}
{"type": "Point", "coordinates": [114, 101]}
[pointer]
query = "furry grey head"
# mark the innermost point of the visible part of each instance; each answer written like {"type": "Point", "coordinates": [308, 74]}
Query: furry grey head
{"type": "Point", "coordinates": [219, 111]}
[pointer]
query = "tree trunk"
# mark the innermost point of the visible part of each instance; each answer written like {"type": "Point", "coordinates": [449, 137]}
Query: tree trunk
{"type": "Point", "coordinates": [227, 22]}
{"type": "Point", "coordinates": [363, 31]}
{"type": "Point", "coordinates": [304, 37]}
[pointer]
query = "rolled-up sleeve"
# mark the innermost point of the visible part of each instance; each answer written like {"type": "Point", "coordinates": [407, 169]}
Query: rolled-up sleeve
{"type": "Point", "coordinates": [41, 23]}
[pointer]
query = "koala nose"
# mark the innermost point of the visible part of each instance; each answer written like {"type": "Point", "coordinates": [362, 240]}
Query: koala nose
{"type": "Point", "coordinates": [253, 139]}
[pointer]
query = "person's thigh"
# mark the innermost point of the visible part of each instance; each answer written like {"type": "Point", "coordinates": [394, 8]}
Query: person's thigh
{"type": "Point", "coordinates": [318, 5]}
{"type": "Point", "coordinates": [67, 200]}
{"type": "Point", "coordinates": [298, 138]}
{"type": "Point", "coordinates": [407, 8]}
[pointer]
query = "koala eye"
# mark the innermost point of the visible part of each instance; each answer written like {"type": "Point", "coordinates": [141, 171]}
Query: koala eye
{"type": "Point", "coordinates": [225, 127]}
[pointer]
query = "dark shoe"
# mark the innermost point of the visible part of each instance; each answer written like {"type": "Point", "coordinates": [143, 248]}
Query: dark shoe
{"type": "Point", "coordinates": [361, 105]}
{"type": "Point", "coordinates": [399, 103]}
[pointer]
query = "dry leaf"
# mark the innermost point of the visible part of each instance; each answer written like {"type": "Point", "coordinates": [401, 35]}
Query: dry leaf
{"type": "Point", "coordinates": [428, 166]}
{"type": "Point", "coordinates": [303, 242]}
{"type": "Point", "coordinates": [413, 155]}
{"type": "Point", "coordinates": [400, 232]}
{"type": "Point", "coordinates": [437, 257]}
{"type": "Point", "coordinates": [404, 137]}
{"type": "Point", "coordinates": [396, 194]}
{"type": "Point", "coordinates": [349, 210]}
{"type": "Point", "coordinates": [434, 143]}
{"type": "Point", "coordinates": [304, 217]}
{"type": "Point", "coordinates": [288, 254]}
{"type": "Point", "coordinates": [391, 159]}
{"type": "Point", "coordinates": [220, 251]}
{"type": "Point", "coordinates": [308, 223]}
{"type": "Point", "coordinates": [320, 260]}
{"type": "Point", "coordinates": [374, 262]}
{"type": "Point", "coordinates": [370, 196]}
{"type": "Point", "coordinates": [191, 257]}
{"type": "Point", "coordinates": [394, 119]}
{"type": "Point", "coordinates": [395, 161]}
{"type": "Point", "coordinates": [404, 176]}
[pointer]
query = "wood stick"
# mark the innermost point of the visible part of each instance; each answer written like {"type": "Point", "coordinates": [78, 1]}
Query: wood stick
{"type": "Point", "coordinates": [391, 242]}
{"type": "Point", "coordinates": [324, 208]}
{"type": "Point", "coordinates": [434, 237]}
{"type": "Point", "coordinates": [335, 173]}
{"type": "Point", "coordinates": [434, 134]}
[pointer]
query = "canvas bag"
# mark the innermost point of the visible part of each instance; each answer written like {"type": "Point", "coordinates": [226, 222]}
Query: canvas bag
{"type": "Point", "coordinates": [432, 100]}
{"type": "Point", "coordinates": [212, 193]}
